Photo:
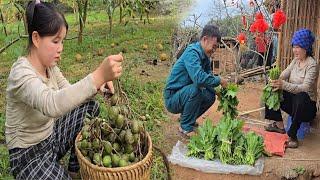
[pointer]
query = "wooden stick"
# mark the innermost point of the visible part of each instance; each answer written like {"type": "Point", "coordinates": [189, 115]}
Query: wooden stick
{"type": "Point", "coordinates": [251, 111]}
{"type": "Point", "coordinates": [246, 70]}
{"type": "Point", "coordinates": [254, 120]}
{"type": "Point", "coordinates": [254, 123]}
{"type": "Point", "coordinates": [253, 74]}
{"type": "Point", "coordinates": [254, 71]}
{"type": "Point", "coordinates": [250, 70]}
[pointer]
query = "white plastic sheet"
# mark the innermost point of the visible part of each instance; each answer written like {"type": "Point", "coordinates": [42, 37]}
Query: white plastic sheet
{"type": "Point", "coordinates": [178, 156]}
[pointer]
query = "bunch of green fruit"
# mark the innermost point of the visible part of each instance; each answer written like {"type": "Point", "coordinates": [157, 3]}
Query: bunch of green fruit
{"type": "Point", "coordinates": [115, 141]}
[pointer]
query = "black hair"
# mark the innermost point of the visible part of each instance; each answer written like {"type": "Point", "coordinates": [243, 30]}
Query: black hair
{"type": "Point", "coordinates": [44, 18]}
{"type": "Point", "coordinates": [309, 53]}
{"type": "Point", "coordinates": [211, 31]}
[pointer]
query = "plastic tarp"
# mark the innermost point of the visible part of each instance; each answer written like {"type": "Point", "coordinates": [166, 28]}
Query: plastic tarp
{"type": "Point", "coordinates": [179, 157]}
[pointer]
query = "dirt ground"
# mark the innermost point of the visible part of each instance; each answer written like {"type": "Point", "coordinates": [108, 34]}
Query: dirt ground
{"type": "Point", "coordinates": [275, 167]}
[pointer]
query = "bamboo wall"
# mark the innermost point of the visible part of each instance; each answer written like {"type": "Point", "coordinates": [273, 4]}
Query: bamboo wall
{"type": "Point", "coordinates": [300, 14]}
{"type": "Point", "coordinates": [225, 58]}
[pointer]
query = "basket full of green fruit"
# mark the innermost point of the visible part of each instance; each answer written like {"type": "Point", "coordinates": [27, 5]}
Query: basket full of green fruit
{"type": "Point", "coordinates": [114, 147]}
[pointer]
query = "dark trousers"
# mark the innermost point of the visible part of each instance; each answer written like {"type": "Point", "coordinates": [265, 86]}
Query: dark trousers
{"type": "Point", "coordinates": [40, 161]}
{"type": "Point", "coordinates": [191, 101]}
{"type": "Point", "coordinates": [299, 106]}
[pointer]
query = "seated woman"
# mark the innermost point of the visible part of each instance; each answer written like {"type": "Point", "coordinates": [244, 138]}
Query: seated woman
{"type": "Point", "coordinates": [44, 112]}
{"type": "Point", "coordinates": [299, 84]}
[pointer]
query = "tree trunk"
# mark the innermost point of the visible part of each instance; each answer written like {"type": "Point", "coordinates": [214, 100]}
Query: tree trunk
{"type": "Point", "coordinates": [121, 15]}
{"type": "Point", "coordinates": [148, 18]}
{"type": "Point", "coordinates": [2, 21]}
{"type": "Point", "coordinates": [85, 10]}
{"type": "Point", "coordinates": [80, 9]}
{"type": "Point", "coordinates": [80, 33]}
{"type": "Point", "coordinates": [110, 23]}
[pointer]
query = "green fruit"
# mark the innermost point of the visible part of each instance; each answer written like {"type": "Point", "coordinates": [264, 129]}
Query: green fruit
{"type": "Point", "coordinates": [98, 121]}
{"type": "Point", "coordinates": [87, 121]}
{"type": "Point", "coordinates": [105, 131]}
{"type": "Point", "coordinates": [135, 127]}
{"type": "Point", "coordinates": [89, 145]}
{"type": "Point", "coordinates": [84, 144]}
{"type": "Point", "coordinates": [106, 161]}
{"type": "Point", "coordinates": [115, 160]}
{"type": "Point", "coordinates": [125, 157]}
{"type": "Point", "coordinates": [86, 128]}
{"type": "Point", "coordinates": [128, 148]}
{"type": "Point", "coordinates": [107, 147]}
{"type": "Point", "coordinates": [136, 138]}
{"type": "Point", "coordinates": [122, 136]}
{"type": "Point", "coordinates": [129, 137]}
{"type": "Point", "coordinates": [112, 137]}
{"type": "Point", "coordinates": [123, 163]}
{"type": "Point", "coordinates": [85, 134]}
{"type": "Point", "coordinates": [141, 128]}
{"type": "Point", "coordinates": [117, 130]}
{"type": "Point", "coordinates": [119, 121]}
{"type": "Point", "coordinates": [97, 158]}
{"type": "Point", "coordinates": [96, 144]}
{"type": "Point", "coordinates": [125, 110]}
{"type": "Point", "coordinates": [131, 157]}
{"type": "Point", "coordinates": [91, 153]}
{"type": "Point", "coordinates": [84, 152]}
{"type": "Point", "coordinates": [116, 110]}
{"type": "Point", "coordinates": [116, 147]}
{"type": "Point", "coordinates": [114, 100]}
{"type": "Point", "coordinates": [113, 114]}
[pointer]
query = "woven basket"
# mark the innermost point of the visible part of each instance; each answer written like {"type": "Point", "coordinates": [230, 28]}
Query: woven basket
{"type": "Point", "coordinates": [139, 170]}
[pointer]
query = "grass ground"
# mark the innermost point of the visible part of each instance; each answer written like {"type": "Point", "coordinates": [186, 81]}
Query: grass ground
{"type": "Point", "coordinates": [145, 94]}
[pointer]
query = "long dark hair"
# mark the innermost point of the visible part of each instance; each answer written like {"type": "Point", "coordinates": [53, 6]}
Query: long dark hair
{"type": "Point", "coordinates": [44, 18]}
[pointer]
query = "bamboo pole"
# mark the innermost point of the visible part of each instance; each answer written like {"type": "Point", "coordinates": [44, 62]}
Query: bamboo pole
{"type": "Point", "coordinates": [251, 111]}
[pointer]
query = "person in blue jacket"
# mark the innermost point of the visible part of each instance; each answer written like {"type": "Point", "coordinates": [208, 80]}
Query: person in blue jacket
{"type": "Point", "coordinates": [190, 86]}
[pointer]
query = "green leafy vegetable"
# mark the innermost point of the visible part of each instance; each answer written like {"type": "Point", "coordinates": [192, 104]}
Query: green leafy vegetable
{"type": "Point", "coordinates": [272, 98]}
{"type": "Point", "coordinates": [204, 143]}
{"type": "Point", "coordinates": [254, 147]}
{"type": "Point", "coordinates": [226, 141]}
{"type": "Point", "coordinates": [228, 100]}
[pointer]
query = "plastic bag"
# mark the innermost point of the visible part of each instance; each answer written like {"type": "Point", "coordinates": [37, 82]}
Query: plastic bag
{"type": "Point", "coordinates": [178, 156]}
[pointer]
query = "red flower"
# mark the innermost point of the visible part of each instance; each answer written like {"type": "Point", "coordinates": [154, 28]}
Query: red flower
{"type": "Point", "coordinates": [253, 27]}
{"type": "Point", "coordinates": [242, 38]}
{"type": "Point", "coordinates": [259, 24]}
{"type": "Point", "coordinates": [262, 25]}
{"type": "Point", "coordinates": [259, 15]}
{"type": "Point", "coordinates": [279, 18]}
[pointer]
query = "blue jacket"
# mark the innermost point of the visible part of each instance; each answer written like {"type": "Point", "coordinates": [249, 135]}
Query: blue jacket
{"type": "Point", "coordinates": [193, 67]}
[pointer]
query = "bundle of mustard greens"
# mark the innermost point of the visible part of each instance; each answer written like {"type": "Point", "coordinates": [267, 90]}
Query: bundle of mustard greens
{"type": "Point", "coordinates": [226, 142]}
{"type": "Point", "coordinates": [270, 97]}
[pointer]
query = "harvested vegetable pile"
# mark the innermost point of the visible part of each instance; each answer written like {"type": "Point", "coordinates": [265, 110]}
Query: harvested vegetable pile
{"type": "Point", "coordinates": [226, 141]}
{"type": "Point", "coordinates": [270, 97]}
